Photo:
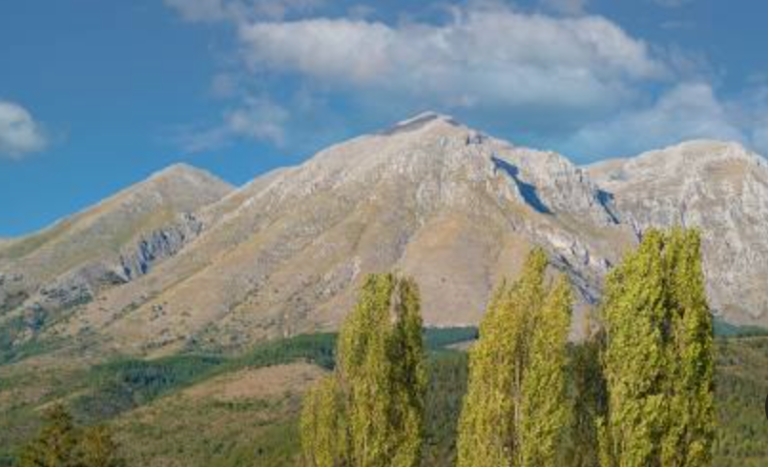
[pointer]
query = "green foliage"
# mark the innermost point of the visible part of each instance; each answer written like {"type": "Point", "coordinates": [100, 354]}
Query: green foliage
{"type": "Point", "coordinates": [725, 329]}
{"type": "Point", "coordinates": [741, 387]}
{"type": "Point", "coordinates": [658, 358]}
{"type": "Point", "coordinates": [61, 443]}
{"type": "Point", "coordinates": [690, 431]}
{"type": "Point", "coordinates": [589, 398]}
{"type": "Point", "coordinates": [319, 349]}
{"type": "Point", "coordinates": [125, 384]}
{"type": "Point", "coordinates": [408, 379]}
{"type": "Point", "coordinates": [516, 364]}
{"type": "Point", "coordinates": [447, 372]}
{"type": "Point", "coordinates": [111, 390]}
{"type": "Point", "coordinates": [55, 445]}
{"type": "Point", "coordinates": [99, 449]}
{"type": "Point", "coordinates": [19, 339]}
{"type": "Point", "coordinates": [437, 339]}
{"type": "Point", "coordinates": [122, 385]}
{"type": "Point", "coordinates": [365, 372]}
{"type": "Point", "coordinates": [207, 433]}
{"type": "Point", "coordinates": [323, 426]}
{"type": "Point", "coordinates": [380, 379]}
{"type": "Point", "coordinates": [544, 406]}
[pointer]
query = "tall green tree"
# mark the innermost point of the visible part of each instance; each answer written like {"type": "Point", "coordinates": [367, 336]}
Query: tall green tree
{"type": "Point", "coordinates": [409, 375]}
{"type": "Point", "coordinates": [502, 419]}
{"type": "Point", "coordinates": [545, 406]}
{"type": "Point", "coordinates": [366, 373]}
{"type": "Point", "coordinates": [589, 398]}
{"type": "Point", "coordinates": [323, 429]}
{"type": "Point", "coordinates": [380, 381]}
{"type": "Point", "coordinates": [689, 437]}
{"type": "Point", "coordinates": [635, 359]}
{"type": "Point", "coordinates": [658, 360]}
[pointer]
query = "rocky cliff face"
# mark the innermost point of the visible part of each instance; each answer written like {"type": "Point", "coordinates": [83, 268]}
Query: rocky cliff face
{"type": "Point", "coordinates": [428, 197]}
{"type": "Point", "coordinates": [110, 244]}
{"type": "Point", "coordinates": [720, 188]}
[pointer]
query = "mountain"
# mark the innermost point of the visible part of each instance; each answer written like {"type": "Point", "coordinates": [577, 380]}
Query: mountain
{"type": "Point", "coordinates": [429, 197]}
{"type": "Point", "coordinates": [722, 189]}
{"type": "Point", "coordinates": [107, 245]}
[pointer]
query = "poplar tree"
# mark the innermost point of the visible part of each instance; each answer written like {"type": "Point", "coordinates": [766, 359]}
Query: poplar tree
{"type": "Point", "coordinates": [365, 372]}
{"type": "Point", "coordinates": [486, 433]}
{"type": "Point", "coordinates": [658, 360]}
{"type": "Point", "coordinates": [502, 419]}
{"type": "Point", "coordinates": [378, 389]}
{"type": "Point", "coordinates": [589, 399]}
{"type": "Point", "coordinates": [690, 434]}
{"type": "Point", "coordinates": [322, 426]}
{"type": "Point", "coordinates": [635, 359]}
{"type": "Point", "coordinates": [409, 378]}
{"type": "Point", "coordinates": [545, 411]}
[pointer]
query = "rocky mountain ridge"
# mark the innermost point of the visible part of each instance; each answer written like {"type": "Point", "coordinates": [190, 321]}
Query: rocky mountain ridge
{"type": "Point", "coordinates": [68, 264]}
{"type": "Point", "coordinates": [429, 197]}
{"type": "Point", "coordinates": [721, 188]}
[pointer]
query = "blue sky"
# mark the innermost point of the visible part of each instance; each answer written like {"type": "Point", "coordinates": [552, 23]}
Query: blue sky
{"type": "Point", "coordinates": [97, 94]}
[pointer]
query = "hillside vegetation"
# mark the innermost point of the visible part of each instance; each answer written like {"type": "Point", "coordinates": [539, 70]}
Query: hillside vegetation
{"type": "Point", "coordinates": [640, 390]}
{"type": "Point", "coordinates": [167, 415]}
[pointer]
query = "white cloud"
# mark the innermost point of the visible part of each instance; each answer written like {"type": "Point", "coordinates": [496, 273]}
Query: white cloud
{"type": "Point", "coordinates": [688, 111]}
{"type": "Point", "coordinates": [483, 57]}
{"type": "Point", "coordinates": [20, 134]}
{"type": "Point", "coordinates": [258, 119]}
{"type": "Point", "coordinates": [575, 79]}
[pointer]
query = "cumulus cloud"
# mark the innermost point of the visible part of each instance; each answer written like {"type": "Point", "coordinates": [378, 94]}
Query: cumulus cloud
{"type": "Point", "coordinates": [20, 134]}
{"type": "Point", "coordinates": [258, 119]}
{"type": "Point", "coordinates": [688, 111]}
{"type": "Point", "coordinates": [482, 57]}
{"type": "Point", "coordinates": [573, 80]}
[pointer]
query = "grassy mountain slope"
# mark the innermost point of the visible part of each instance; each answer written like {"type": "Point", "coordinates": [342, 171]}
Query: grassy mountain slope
{"type": "Point", "coordinates": [243, 411]}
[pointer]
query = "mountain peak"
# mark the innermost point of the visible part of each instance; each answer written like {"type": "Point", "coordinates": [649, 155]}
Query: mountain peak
{"type": "Point", "coordinates": [181, 169]}
{"type": "Point", "coordinates": [688, 159]}
{"type": "Point", "coordinates": [185, 180]}
{"type": "Point", "coordinates": [698, 152]}
{"type": "Point", "coordinates": [420, 121]}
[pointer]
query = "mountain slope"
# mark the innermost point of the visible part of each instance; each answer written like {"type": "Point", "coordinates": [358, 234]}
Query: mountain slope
{"type": "Point", "coordinates": [429, 197]}
{"type": "Point", "coordinates": [103, 246]}
{"type": "Point", "coordinates": [722, 189]}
